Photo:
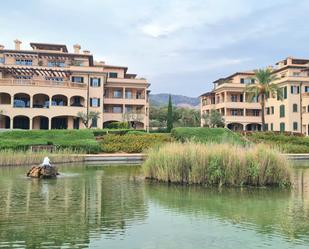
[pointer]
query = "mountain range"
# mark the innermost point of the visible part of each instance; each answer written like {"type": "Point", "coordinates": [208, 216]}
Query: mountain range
{"type": "Point", "coordinates": [161, 99]}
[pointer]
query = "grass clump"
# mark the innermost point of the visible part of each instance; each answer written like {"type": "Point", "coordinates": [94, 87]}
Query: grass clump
{"type": "Point", "coordinates": [217, 164]}
{"type": "Point", "coordinates": [21, 158]}
{"type": "Point", "coordinates": [131, 143]}
{"type": "Point", "coordinates": [207, 135]}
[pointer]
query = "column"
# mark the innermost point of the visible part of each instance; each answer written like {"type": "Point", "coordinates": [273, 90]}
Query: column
{"type": "Point", "coordinates": [31, 101]}
{"type": "Point", "coordinates": [30, 123]}
{"type": "Point", "coordinates": [11, 122]}
{"type": "Point", "coordinates": [12, 100]}
{"type": "Point", "coordinates": [49, 123]}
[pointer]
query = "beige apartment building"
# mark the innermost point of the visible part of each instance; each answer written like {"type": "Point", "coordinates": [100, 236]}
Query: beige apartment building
{"type": "Point", "coordinates": [288, 114]}
{"type": "Point", "coordinates": [45, 88]}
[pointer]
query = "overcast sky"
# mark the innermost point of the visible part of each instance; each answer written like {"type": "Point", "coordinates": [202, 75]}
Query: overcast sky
{"type": "Point", "coordinates": [180, 46]}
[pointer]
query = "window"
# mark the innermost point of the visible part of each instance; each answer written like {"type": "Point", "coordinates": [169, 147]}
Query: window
{"type": "Point", "coordinates": [95, 82]}
{"type": "Point", "coordinates": [94, 123]}
{"type": "Point", "coordinates": [94, 102]}
{"type": "Point", "coordinates": [23, 77]}
{"type": "Point", "coordinates": [296, 74]}
{"type": "Point", "coordinates": [113, 75]}
{"type": "Point", "coordinates": [129, 109]}
{"type": "Point", "coordinates": [1, 60]}
{"type": "Point", "coordinates": [23, 62]}
{"type": "Point", "coordinates": [117, 94]}
{"type": "Point", "coordinates": [54, 78]}
{"type": "Point", "coordinates": [234, 112]}
{"type": "Point", "coordinates": [117, 109]}
{"type": "Point", "coordinates": [285, 92]}
{"type": "Point", "coordinates": [295, 126]}
{"type": "Point", "coordinates": [246, 81]}
{"type": "Point", "coordinates": [255, 112]}
{"type": "Point", "coordinates": [306, 89]}
{"type": "Point", "coordinates": [234, 98]}
{"type": "Point", "coordinates": [308, 108]}
{"type": "Point", "coordinates": [242, 80]}
{"type": "Point", "coordinates": [272, 110]}
{"type": "Point", "coordinates": [267, 110]}
{"type": "Point", "coordinates": [295, 108]}
{"type": "Point", "coordinates": [271, 126]}
{"type": "Point", "coordinates": [282, 127]}
{"type": "Point", "coordinates": [129, 95]}
{"type": "Point", "coordinates": [241, 98]}
{"type": "Point", "coordinates": [56, 64]}
{"type": "Point", "coordinates": [139, 95]}
{"type": "Point", "coordinates": [282, 111]}
{"type": "Point", "coordinates": [294, 89]}
{"type": "Point", "coordinates": [77, 79]}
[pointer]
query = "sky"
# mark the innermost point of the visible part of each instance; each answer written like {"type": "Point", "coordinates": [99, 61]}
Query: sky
{"type": "Point", "coordinates": [180, 46]}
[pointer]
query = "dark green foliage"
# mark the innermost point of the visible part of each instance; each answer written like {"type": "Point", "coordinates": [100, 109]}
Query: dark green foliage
{"type": "Point", "coordinates": [102, 132]}
{"type": "Point", "coordinates": [169, 115]}
{"type": "Point", "coordinates": [207, 135]}
{"type": "Point", "coordinates": [79, 140]}
{"type": "Point", "coordinates": [118, 125]}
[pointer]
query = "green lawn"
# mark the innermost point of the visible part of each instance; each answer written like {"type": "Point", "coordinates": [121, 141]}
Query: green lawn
{"type": "Point", "coordinates": [79, 140]}
{"type": "Point", "coordinates": [207, 135]}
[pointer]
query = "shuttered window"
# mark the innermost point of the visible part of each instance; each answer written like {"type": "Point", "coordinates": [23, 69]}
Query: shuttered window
{"type": "Point", "coordinates": [295, 126]}
{"type": "Point", "coordinates": [295, 108]}
{"type": "Point", "coordinates": [282, 111]}
{"type": "Point", "coordinates": [282, 127]}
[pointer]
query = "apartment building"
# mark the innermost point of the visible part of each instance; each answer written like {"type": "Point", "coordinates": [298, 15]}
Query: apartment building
{"type": "Point", "coordinates": [228, 98]}
{"type": "Point", "coordinates": [45, 88]}
{"type": "Point", "coordinates": [288, 114]}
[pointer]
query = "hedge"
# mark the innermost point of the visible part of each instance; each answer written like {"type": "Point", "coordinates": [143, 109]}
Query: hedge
{"type": "Point", "coordinates": [131, 143]}
{"type": "Point", "coordinates": [77, 140]}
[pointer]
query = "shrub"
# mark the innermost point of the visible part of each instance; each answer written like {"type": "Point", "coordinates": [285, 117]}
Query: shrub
{"type": "Point", "coordinates": [207, 135]}
{"type": "Point", "coordinates": [131, 143]}
{"type": "Point", "coordinates": [217, 164]}
{"type": "Point", "coordinates": [118, 125]}
{"type": "Point", "coordinates": [102, 132]}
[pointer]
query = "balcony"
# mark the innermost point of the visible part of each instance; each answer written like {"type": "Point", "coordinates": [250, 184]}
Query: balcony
{"type": "Point", "coordinates": [51, 83]}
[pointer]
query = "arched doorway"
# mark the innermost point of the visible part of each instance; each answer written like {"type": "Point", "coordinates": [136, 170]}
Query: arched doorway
{"type": "Point", "coordinates": [5, 122]}
{"type": "Point", "coordinates": [59, 100]}
{"type": "Point", "coordinates": [60, 122]}
{"type": "Point", "coordinates": [5, 99]}
{"type": "Point", "coordinates": [21, 122]}
{"type": "Point", "coordinates": [22, 100]}
{"type": "Point", "coordinates": [40, 101]}
{"type": "Point", "coordinates": [40, 123]}
{"type": "Point", "coordinates": [253, 127]}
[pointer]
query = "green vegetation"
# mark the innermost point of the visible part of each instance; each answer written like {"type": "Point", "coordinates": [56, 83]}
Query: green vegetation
{"type": "Point", "coordinates": [131, 143]}
{"type": "Point", "coordinates": [74, 140]}
{"type": "Point", "coordinates": [261, 88]}
{"type": "Point", "coordinates": [9, 157]}
{"type": "Point", "coordinates": [118, 125]}
{"type": "Point", "coordinates": [213, 119]}
{"type": "Point", "coordinates": [182, 117]}
{"type": "Point", "coordinates": [89, 118]}
{"type": "Point", "coordinates": [217, 164]}
{"type": "Point", "coordinates": [207, 135]}
{"type": "Point", "coordinates": [287, 143]}
{"type": "Point", "coordinates": [169, 114]}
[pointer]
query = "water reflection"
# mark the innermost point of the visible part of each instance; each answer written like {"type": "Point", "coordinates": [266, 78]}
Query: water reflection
{"type": "Point", "coordinates": [68, 210]}
{"type": "Point", "coordinates": [266, 211]}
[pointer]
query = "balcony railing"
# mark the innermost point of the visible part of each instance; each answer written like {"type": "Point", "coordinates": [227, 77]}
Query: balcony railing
{"type": "Point", "coordinates": [31, 82]}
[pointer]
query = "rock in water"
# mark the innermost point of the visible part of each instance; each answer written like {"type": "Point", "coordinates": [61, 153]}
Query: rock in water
{"type": "Point", "coordinates": [43, 172]}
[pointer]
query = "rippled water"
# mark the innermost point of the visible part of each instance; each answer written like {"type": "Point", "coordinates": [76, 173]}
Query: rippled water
{"type": "Point", "coordinates": [112, 207]}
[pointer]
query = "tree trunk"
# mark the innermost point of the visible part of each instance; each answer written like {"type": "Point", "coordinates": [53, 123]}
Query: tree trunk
{"type": "Point", "coordinates": [263, 111]}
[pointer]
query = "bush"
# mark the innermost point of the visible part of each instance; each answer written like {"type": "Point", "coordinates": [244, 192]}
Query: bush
{"type": "Point", "coordinates": [207, 135]}
{"type": "Point", "coordinates": [131, 143]}
{"type": "Point", "coordinates": [75, 140]}
{"type": "Point", "coordinates": [118, 125]}
{"type": "Point", "coordinates": [102, 132]}
{"type": "Point", "coordinates": [285, 142]}
{"type": "Point", "coordinates": [217, 164]}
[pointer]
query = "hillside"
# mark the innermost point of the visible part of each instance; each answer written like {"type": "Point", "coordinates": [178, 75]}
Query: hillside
{"type": "Point", "coordinates": [161, 99]}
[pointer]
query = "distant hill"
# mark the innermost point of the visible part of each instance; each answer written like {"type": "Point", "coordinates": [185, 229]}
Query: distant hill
{"type": "Point", "coordinates": [161, 99]}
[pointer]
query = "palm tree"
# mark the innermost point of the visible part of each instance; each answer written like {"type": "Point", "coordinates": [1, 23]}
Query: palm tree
{"type": "Point", "coordinates": [87, 117]}
{"type": "Point", "coordinates": [263, 88]}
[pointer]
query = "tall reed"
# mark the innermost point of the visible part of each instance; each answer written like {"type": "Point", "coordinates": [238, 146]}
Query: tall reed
{"type": "Point", "coordinates": [217, 164]}
{"type": "Point", "coordinates": [17, 158]}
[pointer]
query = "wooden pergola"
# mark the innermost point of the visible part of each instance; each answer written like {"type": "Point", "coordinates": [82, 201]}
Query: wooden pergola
{"type": "Point", "coordinates": [38, 71]}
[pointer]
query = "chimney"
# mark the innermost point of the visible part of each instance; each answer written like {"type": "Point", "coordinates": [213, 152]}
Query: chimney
{"type": "Point", "coordinates": [1, 47]}
{"type": "Point", "coordinates": [76, 48]}
{"type": "Point", "coordinates": [86, 52]}
{"type": "Point", "coordinates": [17, 44]}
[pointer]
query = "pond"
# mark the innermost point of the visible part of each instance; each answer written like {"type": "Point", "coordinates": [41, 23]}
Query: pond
{"type": "Point", "coordinates": [113, 207]}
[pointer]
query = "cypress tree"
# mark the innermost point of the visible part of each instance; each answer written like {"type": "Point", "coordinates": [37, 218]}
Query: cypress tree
{"type": "Point", "coordinates": [169, 114]}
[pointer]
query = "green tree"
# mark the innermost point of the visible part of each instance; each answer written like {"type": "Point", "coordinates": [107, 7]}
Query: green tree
{"type": "Point", "coordinates": [213, 119]}
{"type": "Point", "coordinates": [169, 114]}
{"type": "Point", "coordinates": [262, 89]}
{"type": "Point", "coordinates": [87, 117]}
